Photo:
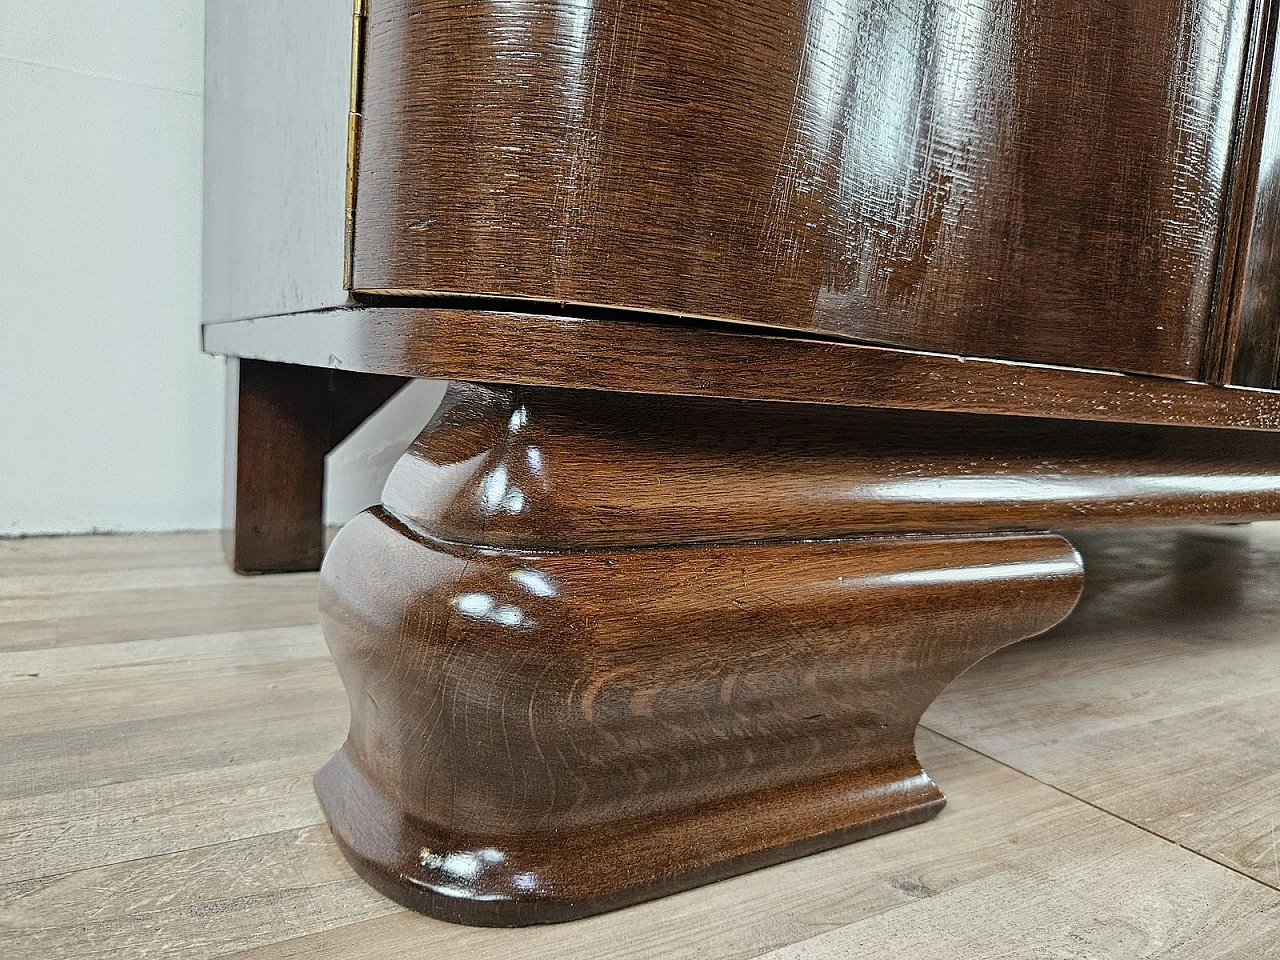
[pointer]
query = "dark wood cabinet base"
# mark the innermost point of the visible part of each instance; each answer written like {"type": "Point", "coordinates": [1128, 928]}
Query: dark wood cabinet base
{"type": "Point", "coordinates": [600, 648]}
{"type": "Point", "coordinates": [610, 633]}
{"type": "Point", "coordinates": [540, 736]}
{"type": "Point", "coordinates": [465, 879]}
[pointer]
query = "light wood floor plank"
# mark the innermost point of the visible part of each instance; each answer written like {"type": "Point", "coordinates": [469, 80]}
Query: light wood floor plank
{"type": "Point", "coordinates": [73, 591]}
{"type": "Point", "coordinates": [1105, 899]}
{"type": "Point", "coordinates": [203, 902]}
{"type": "Point", "coordinates": [1159, 700]}
{"type": "Point", "coordinates": [1000, 847]}
{"type": "Point", "coordinates": [75, 687]}
{"type": "Point", "coordinates": [287, 709]}
{"type": "Point", "coordinates": [51, 834]}
{"type": "Point", "coordinates": [108, 551]}
{"type": "Point", "coordinates": [81, 618]}
{"type": "Point", "coordinates": [155, 793]}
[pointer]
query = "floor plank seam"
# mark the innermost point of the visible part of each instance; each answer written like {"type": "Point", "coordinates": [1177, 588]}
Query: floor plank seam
{"type": "Point", "coordinates": [166, 853]}
{"type": "Point", "coordinates": [204, 840]}
{"type": "Point", "coordinates": [1105, 811]}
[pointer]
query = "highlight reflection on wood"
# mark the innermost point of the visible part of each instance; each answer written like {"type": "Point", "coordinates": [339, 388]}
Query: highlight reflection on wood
{"type": "Point", "coordinates": [1036, 181]}
{"type": "Point", "coordinates": [544, 468]}
{"type": "Point", "coordinates": [542, 736]}
{"type": "Point", "coordinates": [491, 343]}
{"type": "Point", "coordinates": [603, 646]}
{"type": "Point", "coordinates": [696, 709]}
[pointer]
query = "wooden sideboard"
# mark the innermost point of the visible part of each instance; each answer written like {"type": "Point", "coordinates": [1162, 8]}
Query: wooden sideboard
{"type": "Point", "coordinates": [784, 335]}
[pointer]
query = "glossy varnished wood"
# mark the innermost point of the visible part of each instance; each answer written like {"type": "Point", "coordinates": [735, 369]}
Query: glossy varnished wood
{"type": "Point", "coordinates": [653, 671]}
{"type": "Point", "coordinates": [1224, 328]}
{"type": "Point", "coordinates": [179, 782]}
{"type": "Point", "coordinates": [695, 633]}
{"type": "Point", "coordinates": [1254, 340]}
{"type": "Point", "coordinates": [544, 468]}
{"type": "Point", "coordinates": [281, 421]}
{"type": "Point", "coordinates": [1036, 181]}
{"type": "Point", "coordinates": [611, 352]}
{"type": "Point", "coordinates": [537, 737]}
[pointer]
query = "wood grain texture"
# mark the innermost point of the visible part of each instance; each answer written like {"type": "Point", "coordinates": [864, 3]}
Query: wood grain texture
{"type": "Point", "coordinates": [674, 664]}
{"type": "Point", "coordinates": [154, 791]}
{"type": "Point", "coordinates": [1182, 920]}
{"type": "Point", "coordinates": [213, 860]}
{"type": "Point", "coordinates": [273, 484]}
{"type": "Point", "coordinates": [1157, 701]}
{"type": "Point", "coordinates": [496, 345]}
{"type": "Point", "coordinates": [198, 902]}
{"type": "Point", "coordinates": [1225, 328]}
{"type": "Point", "coordinates": [57, 592]}
{"type": "Point", "coordinates": [541, 468]}
{"type": "Point", "coordinates": [281, 421]}
{"type": "Point", "coordinates": [1009, 865]}
{"type": "Point", "coordinates": [1255, 344]}
{"type": "Point", "coordinates": [1035, 181]}
{"type": "Point", "coordinates": [698, 712]}
{"type": "Point", "coordinates": [538, 628]}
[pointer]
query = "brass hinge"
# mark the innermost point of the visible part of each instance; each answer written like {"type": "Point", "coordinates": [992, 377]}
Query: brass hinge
{"type": "Point", "coordinates": [359, 20]}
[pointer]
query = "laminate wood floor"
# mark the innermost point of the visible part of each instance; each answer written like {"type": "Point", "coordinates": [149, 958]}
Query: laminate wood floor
{"type": "Point", "coordinates": [1114, 785]}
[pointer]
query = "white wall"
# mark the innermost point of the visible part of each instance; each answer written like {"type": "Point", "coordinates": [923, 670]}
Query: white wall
{"type": "Point", "coordinates": [358, 468]}
{"type": "Point", "coordinates": [110, 418]}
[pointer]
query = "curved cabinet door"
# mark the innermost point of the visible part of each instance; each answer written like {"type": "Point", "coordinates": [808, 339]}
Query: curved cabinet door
{"type": "Point", "coordinates": [1041, 180]}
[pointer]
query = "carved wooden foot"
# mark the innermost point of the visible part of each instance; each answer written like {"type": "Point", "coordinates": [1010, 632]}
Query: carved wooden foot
{"type": "Point", "coordinates": [572, 690]}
